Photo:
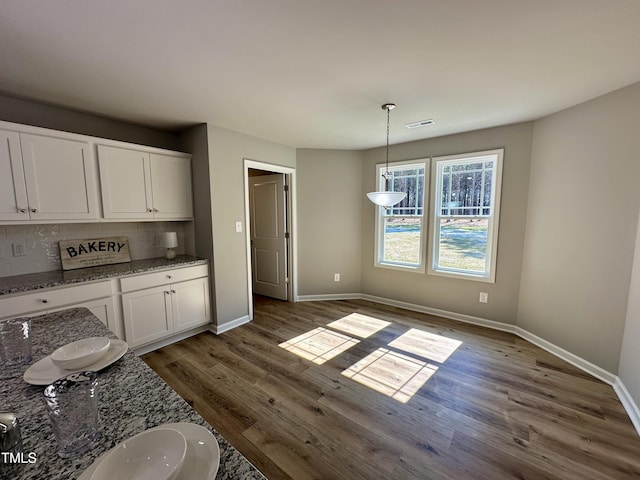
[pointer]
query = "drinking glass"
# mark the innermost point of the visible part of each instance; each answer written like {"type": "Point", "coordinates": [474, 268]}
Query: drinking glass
{"type": "Point", "coordinates": [72, 406]}
{"type": "Point", "coordinates": [15, 346]}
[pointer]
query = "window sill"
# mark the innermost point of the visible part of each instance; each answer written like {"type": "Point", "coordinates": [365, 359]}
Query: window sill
{"type": "Point", "coordinates": [463, 276]}
{"type": "Point", "coordinates": [402, 268]}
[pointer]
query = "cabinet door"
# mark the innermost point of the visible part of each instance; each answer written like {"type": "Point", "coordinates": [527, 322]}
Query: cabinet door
{"type": "Point", "coordinates": [171, 187]}
{"type": "Point", "coordinates": [102, 308]}
{"type": "Point", "coordinates": [147, 315]}
{"type": "Point", "coordinates": [190, 304]}
{"type": "Point", "coordinates": [13, 193]}
{"type": "Point", "coordinates": [60, 177]}
{"type": "Point", "coordinates": [125, 180]}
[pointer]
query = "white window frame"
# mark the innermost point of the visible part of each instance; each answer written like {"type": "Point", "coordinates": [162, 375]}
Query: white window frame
{"type": "Point", "coordinates": [437, 165]}
{"type": "Point", "coordinates": [380, 215]}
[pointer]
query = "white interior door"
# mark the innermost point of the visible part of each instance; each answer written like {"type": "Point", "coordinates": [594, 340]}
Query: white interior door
{"type": "Point", "coordinates": [267, 211]}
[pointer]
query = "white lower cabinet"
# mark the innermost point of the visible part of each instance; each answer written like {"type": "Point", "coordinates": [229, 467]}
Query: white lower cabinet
{"type": "Point", "coordinates": [153, 307]}
{"type": "Point", "coordinates": [97, 297]}
{"type": "Point", "coordinates": [170, 307]}
{"type": "Point", "coordinates": [190, 304]}
{"type": "Point", "coordinates": [147, 315]}
{"type": "Point", "coordinates": [103, 308]}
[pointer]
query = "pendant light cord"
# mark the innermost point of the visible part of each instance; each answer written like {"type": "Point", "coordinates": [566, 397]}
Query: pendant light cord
{"type": "Point", "coordinates": [386, 172]}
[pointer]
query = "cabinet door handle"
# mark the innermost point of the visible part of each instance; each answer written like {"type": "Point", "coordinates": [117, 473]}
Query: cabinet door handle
{"type": "Point", "coordinates": [149, 210]}
{"type": "Point", "coordinates": [167, 292]}
{"type": "Point", "coordinates": [34, 210]}
{"type": "Point", "coordinates": [169, 276]}
{"type": "Point", "coordinates": [44, 300]}
{"type": "Point", "coordinates": [23, 210]}
{"type": "Point", "coordinates": [156, 210]}
{"type": "Point", "coordinates": [173, 291]}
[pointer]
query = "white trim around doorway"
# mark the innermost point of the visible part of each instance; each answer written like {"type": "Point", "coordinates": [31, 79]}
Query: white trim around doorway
{"type": "Point", "coordinates": [293, 246]}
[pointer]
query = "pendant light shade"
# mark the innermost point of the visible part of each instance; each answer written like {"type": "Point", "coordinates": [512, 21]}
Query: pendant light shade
{"type": "Point", "coordinates": [386, 198]}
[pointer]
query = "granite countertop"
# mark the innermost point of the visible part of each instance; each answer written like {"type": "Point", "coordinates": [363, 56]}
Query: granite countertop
{"type": "Point", "coordinates": [132, 398]}
{"type": "Point", "coordinates": [58, 278]}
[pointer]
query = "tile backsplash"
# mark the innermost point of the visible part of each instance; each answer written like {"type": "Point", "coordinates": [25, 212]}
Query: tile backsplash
{"type": "Point", "coordinates": [42, 253]}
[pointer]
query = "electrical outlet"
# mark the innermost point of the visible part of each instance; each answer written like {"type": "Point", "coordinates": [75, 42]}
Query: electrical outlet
{"type": "Point", "coordinates": [336, 277]}
{"type": "Point", "coordinates": [19, 248]}
{"type": "Point", "coordinates": [484, 297]}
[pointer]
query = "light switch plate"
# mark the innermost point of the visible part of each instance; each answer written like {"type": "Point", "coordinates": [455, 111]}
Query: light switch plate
{"type": "Point", "coordinates": [238, 227]}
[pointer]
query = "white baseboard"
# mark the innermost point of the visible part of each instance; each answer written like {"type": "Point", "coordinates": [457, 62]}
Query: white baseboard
{"type": "Point", "coordinates": [505, 327]}
{"type": "Point", "coordinates": [329, 296]}
{"type": "Point", "coordinates": [575, 360]}
{"type": "Point", "coordinates": [225, 327]}
{"type": "Point", "coordinates": [609, 378]}
{"type": "Point", "coordinates": [628, 403]}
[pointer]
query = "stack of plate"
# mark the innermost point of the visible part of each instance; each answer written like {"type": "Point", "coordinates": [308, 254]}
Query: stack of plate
{"type": "Point", "coordinates": [94, 353]}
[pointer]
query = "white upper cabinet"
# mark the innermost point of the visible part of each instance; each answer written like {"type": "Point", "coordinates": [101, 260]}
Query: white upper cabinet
{"type": "Point", "coordinates": [60, 178]}
{"type": "Point", "coordinates": [171, 187]}
{"type": "Point", "coordinates": [140, 185]}
{"type": "Point", "coordinates": [125, 180]}
{"type": "Point", "coordinates": [46, 178]}
{"type": "Point", "coordinates": [13, 192]}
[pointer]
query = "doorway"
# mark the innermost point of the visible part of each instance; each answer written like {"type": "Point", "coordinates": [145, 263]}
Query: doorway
{"type": "Point", "coordinates": [269, 217]}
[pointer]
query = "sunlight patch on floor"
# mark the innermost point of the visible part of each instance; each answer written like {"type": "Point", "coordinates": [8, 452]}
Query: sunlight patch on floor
{"type": "Point", "coordinates": [427, 345]}
{"type": "Point", "coordinates": [393, 374]}
{"type": "Point", "coordinates": [319, 345]}
{"type": "Point", "coordinates": [360, 325]}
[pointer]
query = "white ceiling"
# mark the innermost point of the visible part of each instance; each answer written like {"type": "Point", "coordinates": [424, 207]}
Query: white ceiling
{"type": "Point", "coordinates": [313, 73]}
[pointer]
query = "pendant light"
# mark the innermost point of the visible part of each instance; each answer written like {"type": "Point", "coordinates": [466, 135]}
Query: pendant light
{"type": "Point", "coordinates": [386, 198]}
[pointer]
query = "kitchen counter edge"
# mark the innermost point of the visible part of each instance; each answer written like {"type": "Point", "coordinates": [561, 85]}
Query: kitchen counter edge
{"type": "Point", "coordinates": [18, 284]}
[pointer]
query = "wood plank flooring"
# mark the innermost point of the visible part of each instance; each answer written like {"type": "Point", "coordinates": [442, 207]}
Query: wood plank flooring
{"type": "Point", "coordinates": [357, 390]}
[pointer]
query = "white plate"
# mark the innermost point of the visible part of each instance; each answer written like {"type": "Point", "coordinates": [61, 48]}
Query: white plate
{"type": "Point", "coordinates": [44, 371]}
{"type": "Point", "coordinates": [201, 461]}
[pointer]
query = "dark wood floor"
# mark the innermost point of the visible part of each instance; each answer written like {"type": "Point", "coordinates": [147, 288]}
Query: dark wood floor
{"type": "Point", "coordinates": [407, 401]}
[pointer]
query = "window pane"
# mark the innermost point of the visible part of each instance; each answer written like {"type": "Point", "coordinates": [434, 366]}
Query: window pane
{"type": "Point", "coordinates": [467, 189]}
{"type": "Point", "coordinates": [463, 244]}
{"type": "Point", "coordinates": [467, 209]}
{"type": "Point", "coordinates": [401, 242]}
{"type": "Point", "coordinates": [410, 181]}
{"type": "Point", "coordinates": [399, 236]}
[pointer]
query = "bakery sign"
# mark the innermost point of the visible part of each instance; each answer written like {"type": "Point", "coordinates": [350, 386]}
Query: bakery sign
{"type": "Point", "coordinates": [93, 252]}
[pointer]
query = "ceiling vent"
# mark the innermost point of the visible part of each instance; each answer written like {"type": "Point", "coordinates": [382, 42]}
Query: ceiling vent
{"type": "Point", "coordinates": [421, 123]}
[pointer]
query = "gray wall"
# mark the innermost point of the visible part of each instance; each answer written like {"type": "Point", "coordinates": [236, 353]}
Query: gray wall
{"type": "Point", "coordinates": [47, 116]}
{"type": "Point", "coordinates": [227, 151]}
{"type": "Point", "coordinates": [456, 295]}
{"type": "Point", "coordinates": [329, 215]}
{"type": "Point", "coordinates": [630, 356]}
{"type": "Point", "coordinates": [581, 226]}
{"type": "Point", "coordinates": [196, 141]}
